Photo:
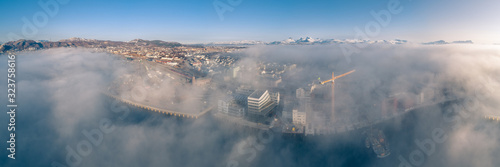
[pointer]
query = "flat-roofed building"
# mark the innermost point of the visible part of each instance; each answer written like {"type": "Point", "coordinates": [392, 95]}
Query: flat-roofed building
{"type": "Point", "coordinates": [229, 106]}
{"type": "Point", "coordinates": [260, 105]}
{"type": "Point", "coordinates": [299, 117]}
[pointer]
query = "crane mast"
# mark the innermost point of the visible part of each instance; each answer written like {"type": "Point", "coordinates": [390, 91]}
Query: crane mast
{"type": "Point", "coordinates": [332, 116]}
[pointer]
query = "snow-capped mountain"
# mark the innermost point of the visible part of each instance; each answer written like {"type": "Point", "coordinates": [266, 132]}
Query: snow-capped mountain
{"type": "Point", "coordinates": [442, 42]}
{"type": "Point", "coordinates": [311, 41]}
{"type": "Point", "coordinates": [76, 39]}
{"type": "Point", "coordinates": [314, 41]}
{"type": "Point", "coordinates": [243, 42]}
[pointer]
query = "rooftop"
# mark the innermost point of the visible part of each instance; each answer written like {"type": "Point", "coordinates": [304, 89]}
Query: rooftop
{"type": "Point", "coordinates": [257, 94]}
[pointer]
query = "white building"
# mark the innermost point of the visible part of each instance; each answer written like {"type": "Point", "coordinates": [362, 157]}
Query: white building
{"type": "Point", "coordinates": [172, 63]}
{"type": "Point", "coordinates": [167, 58]}
{"type": "Point", "coordinates": [260, 104]}
{"type": "Point", "coordinates": [236, 71]}
{"type": "Point", "coordinates": [300, 112]}
{"type": "Point", "coordinates": [299, 118]}
{"type": "Point", "coordinates": [229, 106]}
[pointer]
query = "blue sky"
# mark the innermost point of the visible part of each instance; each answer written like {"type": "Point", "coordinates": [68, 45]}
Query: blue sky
{"type": "Point", "coordinates": [191, 21]}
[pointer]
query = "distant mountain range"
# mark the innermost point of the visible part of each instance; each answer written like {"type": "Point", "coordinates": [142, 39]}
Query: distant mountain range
{"type": "Point", "coordinates": [309, 40]}
{"type": "Point", "coordinates": [313, 41]}
{"type": "Point", "coordinates": [442, 42]}
{"type": "Point", "coordinates": [22, 44]}
{"type": "Point", "coordinates": [306, 41]}
{"type": "Point", "coordinates": [243, 42]}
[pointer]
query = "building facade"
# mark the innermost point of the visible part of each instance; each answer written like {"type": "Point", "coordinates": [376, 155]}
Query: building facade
{"type": "Point", "coordinates": [229, 106]}
{"type": "Point", "coordinates": [260, 105]}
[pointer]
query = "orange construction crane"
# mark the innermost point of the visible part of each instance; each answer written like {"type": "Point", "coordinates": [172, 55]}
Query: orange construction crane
{"type": "Point", "coordinates": [332, 118]}
{"type": "Point", "coordinates": [336, 77]}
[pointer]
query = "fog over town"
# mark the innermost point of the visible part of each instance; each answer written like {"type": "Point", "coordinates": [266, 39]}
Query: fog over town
{"type": "Point", "coordinates": [69, 115]}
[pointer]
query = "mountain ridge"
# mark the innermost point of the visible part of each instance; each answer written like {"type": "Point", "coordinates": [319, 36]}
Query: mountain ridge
{"type": "Point", "coordinates": [24, 44]}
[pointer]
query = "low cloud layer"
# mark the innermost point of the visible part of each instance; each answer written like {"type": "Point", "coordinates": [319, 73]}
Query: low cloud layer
{"type": "Point", "coordinates": [59, 94]}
